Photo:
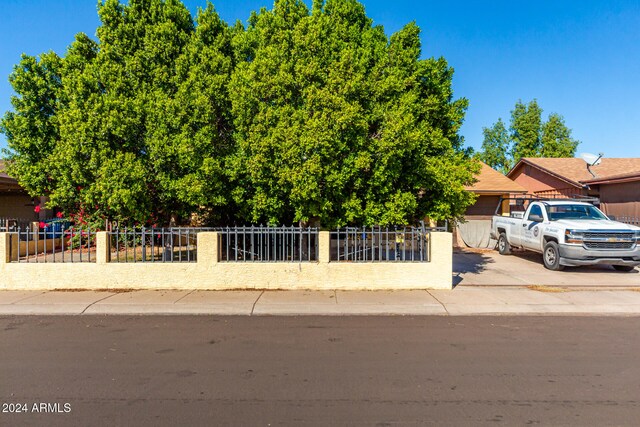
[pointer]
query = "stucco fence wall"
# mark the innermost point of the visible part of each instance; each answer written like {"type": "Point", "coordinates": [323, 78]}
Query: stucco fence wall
{"type": "Point", "coordinates": [208, 273]}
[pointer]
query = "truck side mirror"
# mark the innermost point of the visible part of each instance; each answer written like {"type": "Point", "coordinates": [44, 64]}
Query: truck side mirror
{"type": "Point", "coordinates": [612, 217]}
{"type": "Point", "coordinates": [536, 218]}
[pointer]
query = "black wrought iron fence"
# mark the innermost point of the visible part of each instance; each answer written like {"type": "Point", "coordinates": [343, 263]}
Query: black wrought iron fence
{"type": "Point", "coordinates": [268, 244]}
{"type": "Point", "coordinates": [174, 244]}
{"type": "Point", "coordinates": [43, 245]}
{"type": "Point", "coordinates": [371, 244]}
{"type": "Point", "coordinates": [12, 224]}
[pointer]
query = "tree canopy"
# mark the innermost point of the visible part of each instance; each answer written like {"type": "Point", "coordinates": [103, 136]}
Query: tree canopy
{"type": "Point", "coordinates": [528, 136]}
{"type": "Point", "coordinates": [299, 116]}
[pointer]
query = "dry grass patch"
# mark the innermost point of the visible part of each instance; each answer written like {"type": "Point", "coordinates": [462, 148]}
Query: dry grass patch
{"type": "Point", "coordinates": [115, 290]}
{"type": "Point", "coordinates": [472, 250]}
{"type": "Point", "coordinates": [543, 288]}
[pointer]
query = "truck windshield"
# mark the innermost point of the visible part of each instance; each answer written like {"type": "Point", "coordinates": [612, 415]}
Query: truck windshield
{"type": "Point", "coordinates": [574, 212]}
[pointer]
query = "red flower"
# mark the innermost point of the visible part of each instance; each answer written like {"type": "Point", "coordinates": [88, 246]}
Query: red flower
{"type": "Point", "coordinates": [36, 209]}
{"type": "Point", "coordinates": [59, 214]}
{"type": "Point", "coordinates": [42, 225]}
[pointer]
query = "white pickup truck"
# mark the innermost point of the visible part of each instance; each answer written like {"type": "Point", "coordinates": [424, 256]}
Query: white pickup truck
{"type": "Point", "coordinates": [567, 233]}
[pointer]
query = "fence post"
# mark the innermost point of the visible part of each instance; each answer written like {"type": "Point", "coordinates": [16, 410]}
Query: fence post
{"type": "Point", "coordinates": [208, 248]}
{"type": "Point", "coordinates": [103, 251]}
{"type": "Point", "coordinates": [441, 259]}
{"type": "Point", "coordinates": [5, 248]}
{"type": "Point", "coordinates": [324, 246]}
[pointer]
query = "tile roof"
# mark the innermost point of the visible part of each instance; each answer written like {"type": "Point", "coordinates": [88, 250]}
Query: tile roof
{"type": "Point", "coordinates": [2, 172]}
{"type": "Point", "coordinates": [575, 169]}
{"type": "Point", "coordinates": [623, 177]}
{"type": "Point", "coordinates": [492, 181]}
{"type": "Point", "coordinates": [7, 182]}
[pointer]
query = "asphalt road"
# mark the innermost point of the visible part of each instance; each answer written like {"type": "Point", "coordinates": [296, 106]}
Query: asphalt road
{"type": "Point", "coordinates": [264, 371]}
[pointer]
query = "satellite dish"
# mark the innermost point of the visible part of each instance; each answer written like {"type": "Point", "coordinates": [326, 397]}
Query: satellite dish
{"type": "Point", "coordinates": [592, 159]}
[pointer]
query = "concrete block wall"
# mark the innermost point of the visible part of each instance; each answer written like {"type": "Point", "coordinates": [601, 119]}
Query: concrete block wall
{"type": "Point", "coordinates": [211, 274]}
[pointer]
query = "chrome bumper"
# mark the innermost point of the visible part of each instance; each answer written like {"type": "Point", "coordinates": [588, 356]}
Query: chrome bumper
{"type": "Point", "coordinates": [578, 255]}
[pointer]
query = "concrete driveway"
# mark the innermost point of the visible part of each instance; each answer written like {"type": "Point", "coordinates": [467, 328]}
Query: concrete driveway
{"type": "Point", "coordinates": [472, 267]}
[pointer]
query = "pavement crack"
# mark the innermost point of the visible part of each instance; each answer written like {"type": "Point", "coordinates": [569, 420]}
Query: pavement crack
{"type": "Point", "coordinates": [184, 296]}
{"type": "Point", "coordinates": [335, 295]}
{"type": "Point", "coordinates": [30, 296]}
{"type": "Point", "coordinates": [440, 302]}
{"type": "Point", "coordinates": [95, 302]}
{"type": "Point", "coordinates": [255, 302]}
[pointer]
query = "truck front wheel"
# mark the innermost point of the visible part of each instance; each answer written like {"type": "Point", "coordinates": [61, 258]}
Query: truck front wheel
{"type": "Point", "coordinates": [551, 257]}
{"type": "Point", "coordinates": [503, 245]}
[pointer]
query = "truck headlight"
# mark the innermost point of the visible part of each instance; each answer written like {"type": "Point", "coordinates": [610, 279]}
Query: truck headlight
{"type": "Point", "coordinates": [573, 236]}
{"type": "Point", "coordinates": [637, 236]}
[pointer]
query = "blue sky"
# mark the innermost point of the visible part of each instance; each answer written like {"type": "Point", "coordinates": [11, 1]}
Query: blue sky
{"type": "Point", "coordinates": [577, 58]}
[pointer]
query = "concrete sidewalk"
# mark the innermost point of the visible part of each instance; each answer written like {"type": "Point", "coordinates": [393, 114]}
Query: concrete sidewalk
{"type": "Point", "coordinates": [461, 301]}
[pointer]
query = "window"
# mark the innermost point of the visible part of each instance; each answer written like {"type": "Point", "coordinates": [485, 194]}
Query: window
{"type": "Point", "coordinates": [574, 212]}
{"type": "Point", "coordinates": [535, 210]}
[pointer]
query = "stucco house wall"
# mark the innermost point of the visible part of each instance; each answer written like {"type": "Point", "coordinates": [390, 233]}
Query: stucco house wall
{"type": "Point", "coordinates": [17, 206]}
{"type": "Point", "coordinates": [621, 199]}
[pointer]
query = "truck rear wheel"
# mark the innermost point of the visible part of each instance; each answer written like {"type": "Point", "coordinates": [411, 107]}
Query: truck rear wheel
{"type": "Point", "coordinates": [623, 267]}
{"type": "Point", "coordinates": [504, 248]}
{"type": "Point", "coordinates": [551, 257]}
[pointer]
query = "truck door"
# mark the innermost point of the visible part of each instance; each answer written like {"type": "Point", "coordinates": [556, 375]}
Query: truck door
{"type": "Point", "coordinates": [532, 230]}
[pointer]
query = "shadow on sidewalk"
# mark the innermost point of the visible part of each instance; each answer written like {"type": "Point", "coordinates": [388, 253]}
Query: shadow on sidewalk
{"type": "Point", "coordinates": [469, 261]}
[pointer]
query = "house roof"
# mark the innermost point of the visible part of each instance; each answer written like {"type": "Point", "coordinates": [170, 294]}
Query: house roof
{"type": "Point", "coordinates": [2, 169]}
{"type": "Point", "coordinates": [574, 170]}
{"type": "Point", "coordinates": [624, 177]}
{"type": "Point", "coordinates": [6, 182]}
{"type": "Point", "coordinates": [491, 181]}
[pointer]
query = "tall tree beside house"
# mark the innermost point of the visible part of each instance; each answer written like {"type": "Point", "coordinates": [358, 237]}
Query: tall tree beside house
{"type": "Point", "coordinates": [526, 130]}
{"type": "Point", "coordinates": [496, 147]}
{"type": "Point", "coordinates": [528, 136]}
{"type": "Point", "coordinates": [556, 138]}
{"type": "Point", "coordinates": [32, 128]}
{"type": "Point", "coordinates": [303, 115]}
{"type": "Point", "coordinates": [338, 123]}
{"type": "Point", "coordinates": [192, 129]}
{"type": "Point", "coordinates": [139, 119]}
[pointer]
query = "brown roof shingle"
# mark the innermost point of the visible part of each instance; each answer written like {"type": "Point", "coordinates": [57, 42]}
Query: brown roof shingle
{"type": "Point", "coordinates": [3, 174]}
{"type": "Point", "coordinates": [575, 169]}
{"type": "Point", "coordinates": [492, 181]}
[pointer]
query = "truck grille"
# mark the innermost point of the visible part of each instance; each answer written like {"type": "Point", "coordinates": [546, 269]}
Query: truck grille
{"type": "Point", "coordinates": [609, 245]}
{"type": "Point", "coordinates": [605, 235]}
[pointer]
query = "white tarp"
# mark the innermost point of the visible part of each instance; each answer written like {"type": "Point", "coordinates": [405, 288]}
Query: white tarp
{"type": "Point", "coordinates": [475, 233]}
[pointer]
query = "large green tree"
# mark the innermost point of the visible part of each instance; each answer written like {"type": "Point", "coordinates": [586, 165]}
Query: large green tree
{"type": "Point", "coordinates": [136, 123]}
{"type": "Point", "coordinates": [32, 128]}
{"type": "Point", "coordinates": [304, 115]}
{"type": "Point", "coordinates": [528, 136]}
{"type": "Point", "coordinates": [338, 123]}
{"type": "Point", "coordinates": [496, 147]}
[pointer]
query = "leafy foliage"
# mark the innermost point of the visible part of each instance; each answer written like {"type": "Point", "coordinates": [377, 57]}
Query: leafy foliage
{"type": "Point", "coordinates": [496, 147]}
{"type": "Point", "coordinates": [528, 136]}
{"type": "Point", "coordinates": [304, 115]}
